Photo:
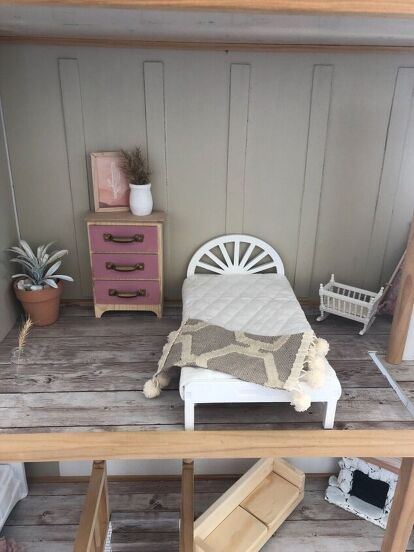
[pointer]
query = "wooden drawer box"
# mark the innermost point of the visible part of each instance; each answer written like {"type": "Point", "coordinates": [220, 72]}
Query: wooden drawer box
{"type": "Point", "coordinates": [126, 254]}
{"type": "Point", "coordinates": [124, 266]}
{"type": "Point", "coordinates": [127, 292]}
{"type": "Point", "coordinates": [123, 238]}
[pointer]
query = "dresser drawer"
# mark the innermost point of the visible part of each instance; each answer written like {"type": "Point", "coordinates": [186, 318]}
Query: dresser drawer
{"type": "Point", "coordinates": [115, 292]}
{"type": "Point", "coordinates": [124, 266]}
{"type": "Point", "coordinates": [122, 238]}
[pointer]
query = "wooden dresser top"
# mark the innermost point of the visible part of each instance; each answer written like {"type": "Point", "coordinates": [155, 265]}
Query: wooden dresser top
{"type": "Point", "coordinates": [124, 217]}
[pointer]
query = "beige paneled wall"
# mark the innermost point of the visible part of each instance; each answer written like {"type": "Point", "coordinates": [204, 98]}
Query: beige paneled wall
{"type": "Point", "coordinates": [310, 151]}
{"type": "Point", "coordinates": [8, 237]}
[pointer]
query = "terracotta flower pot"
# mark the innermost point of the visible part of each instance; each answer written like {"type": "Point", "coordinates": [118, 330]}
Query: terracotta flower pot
{"type": "Point", "coordinates": [42, 306]}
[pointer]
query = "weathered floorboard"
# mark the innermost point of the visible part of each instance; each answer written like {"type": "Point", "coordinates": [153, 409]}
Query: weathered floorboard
{"type": "Point", "coordinates": [146, 513]}
{"type": "Point", "coordinates": [132, 408]}
{"type": "Point", "coordinates": [131, 376]}
{"type": "Point", "coordinates": [87, 374]}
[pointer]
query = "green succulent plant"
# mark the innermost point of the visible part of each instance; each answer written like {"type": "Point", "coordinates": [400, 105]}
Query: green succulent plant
{"type": "Point", "coordinates": [40, 268]}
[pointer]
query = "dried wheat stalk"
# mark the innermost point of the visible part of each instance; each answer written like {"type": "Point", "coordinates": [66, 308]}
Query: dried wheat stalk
{"type": "Point", "coordinates": [23, 333]}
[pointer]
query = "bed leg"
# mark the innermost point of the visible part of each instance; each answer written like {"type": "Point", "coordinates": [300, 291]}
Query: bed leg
{"type": "Point", "coordinates": [329, 415]}
{"type": "Point", "coordinates": [189, 415]}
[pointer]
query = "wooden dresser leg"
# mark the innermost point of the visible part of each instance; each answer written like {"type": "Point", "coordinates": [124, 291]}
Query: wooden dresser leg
{"type": "Point", "coordinates": [401, 518]}
{"type": "Point", "coordinates": [187, 507]}
{"type": "Point", "coordinates": [99, 311]}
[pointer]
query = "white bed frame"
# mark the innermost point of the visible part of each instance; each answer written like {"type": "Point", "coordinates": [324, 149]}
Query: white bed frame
{"type": "Point", "coordinates": [236, 265]}
{"type": "Point", "coordinates": [243, 256]}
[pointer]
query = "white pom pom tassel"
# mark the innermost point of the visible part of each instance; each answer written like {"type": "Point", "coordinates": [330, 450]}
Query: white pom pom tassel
{"type": "Point", "coordinates": [152, 388]}
{"type": "Point", "coordinates": [322, 347]}
{"type": "Point", "coordinates": [318, 363]}
{"type": "Point", "coordinates": [315, 378]}
{"type": "Point", "coordinates": [316, 374]}
{"type": "Point", "coordinates": [163, 379]}
{"type": "Point", "coordinates": [301, 401]}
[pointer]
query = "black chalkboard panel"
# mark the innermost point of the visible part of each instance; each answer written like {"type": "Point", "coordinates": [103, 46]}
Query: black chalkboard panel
{"type": "Point", "coordinates": [369, 490]}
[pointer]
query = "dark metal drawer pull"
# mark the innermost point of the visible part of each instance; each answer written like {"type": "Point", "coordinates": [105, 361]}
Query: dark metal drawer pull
{"type": "Point", "coordinates": [125, 268]}
{"type": "Point", "coordinates": [127, 294]}
{"type": "Point", "coordinates": [124, 239]}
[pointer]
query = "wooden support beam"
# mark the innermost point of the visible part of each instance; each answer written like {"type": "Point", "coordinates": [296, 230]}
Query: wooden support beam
{"type": "Point", "coordinates": [187, 507]}
{"type": "Point", "coordinates": [94, 520]}
{"type": "Point", "coordinates": [401, 518]}
{"type": "Point", "coordinates": [404, 307]}
{"type": "Point", "coordinates": [124, 445]}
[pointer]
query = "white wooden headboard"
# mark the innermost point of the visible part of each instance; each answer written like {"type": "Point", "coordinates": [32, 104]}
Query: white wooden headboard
{"type": "Point", "coordinates": [235, 254]}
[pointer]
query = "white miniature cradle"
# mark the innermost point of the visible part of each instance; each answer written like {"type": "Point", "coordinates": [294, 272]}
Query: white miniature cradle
{"type": "Point", "coordinates": [350, 302]}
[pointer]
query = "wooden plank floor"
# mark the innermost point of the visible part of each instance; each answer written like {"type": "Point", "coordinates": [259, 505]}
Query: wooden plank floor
{"type": "Point", "coordinates": [145, 518]}
{"type": "Point", "coordinates": [87, 374]}
{"type": "Point", "coordinates": [403, 376]}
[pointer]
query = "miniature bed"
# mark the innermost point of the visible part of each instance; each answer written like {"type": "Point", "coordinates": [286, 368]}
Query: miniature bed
{"type": "Point", "coordinates": [247, 291]}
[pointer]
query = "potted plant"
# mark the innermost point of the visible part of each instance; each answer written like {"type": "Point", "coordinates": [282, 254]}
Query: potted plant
{"type": "Point", "coordinates": [135, 169]}
{"type": "Point", "coordinates": [39, 287]}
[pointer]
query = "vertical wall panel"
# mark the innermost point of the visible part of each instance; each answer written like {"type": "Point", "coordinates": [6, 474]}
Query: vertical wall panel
{"type": "Point", "coordinates": [8, 237]}
{"type": "Point", "coordinates": [358, 122]}
{"type": "Point", "coordinates": [391, 172]}
{"type": "Point", "coordinates": [403, 204]}
{"type": "Point", "coordinates": [237, 143]}
{"type": "Point", "coordinates": [314, 168]}
{"type": "Point", "coordinates": [253, 160]}
{"type": "Point", "coordinates": [32, 103]}
{"type": "Point", "coordinates": [113, 98]}
{"type": "Point", "coordinates": [155, 126]}
{"type": "Point", "coordinates": [75, 146]}
{"type": "Point", "coordinates": [197, 101]}
{"type": "Point", "coordinates": [157, 143]}
{"type": "Point", "coordinates": [276, 151]}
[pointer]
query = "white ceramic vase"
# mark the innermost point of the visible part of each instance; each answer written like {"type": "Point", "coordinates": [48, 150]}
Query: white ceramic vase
{"type": "Point", "coordinates": [140, 199]}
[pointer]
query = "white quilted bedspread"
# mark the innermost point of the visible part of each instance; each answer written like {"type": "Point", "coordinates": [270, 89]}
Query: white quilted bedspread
{"type": "Point", "coordinates": [262, 304]}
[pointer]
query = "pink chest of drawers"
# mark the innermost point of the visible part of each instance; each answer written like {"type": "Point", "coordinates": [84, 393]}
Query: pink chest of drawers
{"type": "Point", "coordinates": [126, 255]}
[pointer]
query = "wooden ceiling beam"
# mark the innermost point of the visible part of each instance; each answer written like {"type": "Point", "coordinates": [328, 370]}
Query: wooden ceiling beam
{"type": "Point", "coordinates": [326, 7]}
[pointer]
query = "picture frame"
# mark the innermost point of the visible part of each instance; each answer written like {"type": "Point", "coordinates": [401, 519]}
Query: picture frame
{"type": "Point", "coordinates": [109, 184]}
{"type": "Point", "coordinates": [341, 490]}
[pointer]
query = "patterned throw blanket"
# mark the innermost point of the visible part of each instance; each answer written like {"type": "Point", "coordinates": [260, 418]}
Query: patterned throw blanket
{"type": "Point", "coordinates": [281, 362]}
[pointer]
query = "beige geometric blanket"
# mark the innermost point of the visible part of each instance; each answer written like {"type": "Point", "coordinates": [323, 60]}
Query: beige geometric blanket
{"type": "Point", "coordinates": [281, 362]}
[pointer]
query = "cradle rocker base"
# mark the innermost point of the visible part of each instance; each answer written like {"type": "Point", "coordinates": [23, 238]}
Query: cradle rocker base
{"type": "Point", "coordinates": [245, 517]}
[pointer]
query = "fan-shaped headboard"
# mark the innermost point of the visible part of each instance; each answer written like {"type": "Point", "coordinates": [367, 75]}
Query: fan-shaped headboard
{"type": "Point", "coordinates": [236, 254]}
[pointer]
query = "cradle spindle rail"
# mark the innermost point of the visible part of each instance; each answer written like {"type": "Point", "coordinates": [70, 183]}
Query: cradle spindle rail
{"type": "Point", "coordinates": [350, 302]}
{"type": "Point", "coordinates": [94, 522]}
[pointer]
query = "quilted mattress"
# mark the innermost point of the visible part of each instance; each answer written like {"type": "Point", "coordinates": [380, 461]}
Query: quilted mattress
{"type": "Point", "coordinates": [262, 304]}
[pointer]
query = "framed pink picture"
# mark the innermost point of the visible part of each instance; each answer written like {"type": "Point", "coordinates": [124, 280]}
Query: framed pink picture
{"type": "Point", "coordinates": [110, 186]}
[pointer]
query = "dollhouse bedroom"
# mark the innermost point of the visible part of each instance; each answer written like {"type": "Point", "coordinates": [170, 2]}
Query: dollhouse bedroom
{"type": "Point", "coordinates": [206, 275]}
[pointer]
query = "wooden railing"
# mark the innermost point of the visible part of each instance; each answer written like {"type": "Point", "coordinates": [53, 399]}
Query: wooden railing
{"type": "Point", "coordinates": [214, 444]}
{"type": "Point", "coordinates": [94, 520]}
